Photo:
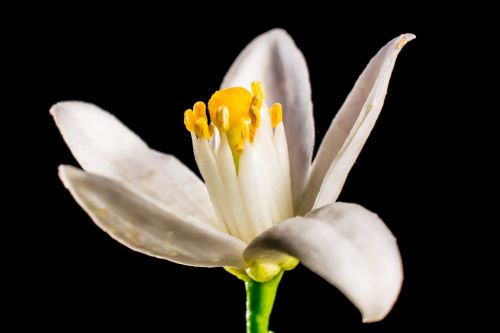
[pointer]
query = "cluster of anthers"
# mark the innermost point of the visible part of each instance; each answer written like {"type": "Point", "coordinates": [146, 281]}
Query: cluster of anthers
{"type": "Point", "coordinates": [234, 111]}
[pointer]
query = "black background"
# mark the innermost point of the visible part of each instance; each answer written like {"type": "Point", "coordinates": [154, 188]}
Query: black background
{"type": "Point", "coordinates": [146, 69]}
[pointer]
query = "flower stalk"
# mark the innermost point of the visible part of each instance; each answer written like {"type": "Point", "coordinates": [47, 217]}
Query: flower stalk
{"type": "Point", "coordinates": [260, 301]}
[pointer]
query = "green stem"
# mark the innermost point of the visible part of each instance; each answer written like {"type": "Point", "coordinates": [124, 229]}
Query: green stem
{"type": "Point", "coordinates": [260, 300]}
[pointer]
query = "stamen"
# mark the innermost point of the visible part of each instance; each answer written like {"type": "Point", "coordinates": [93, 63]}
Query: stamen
{"type": "Point", "coordinates": [200, 110]}
{"type": "Point", "coordinates": [234, 111]}
{"type": "Point", "coordinates": [189, 120]}
{"type": "Point", "coordinates": [258, 95]}
{"type": "Point", "coordinates": [245, 130]}
{"type": "Point", "coordinates": [201, 129]}
{"type": "Point", "coordinates": [211, 129]}
{"type": "Point", "coordinates": [222, 118]}
{"type": "Point", "coordinates": [276, 112]}
{"type": "Point", "coordinates": [255, 116]}
{"type": "Point", "coordinates": [196, 121]}
{"type": "Point", "coordinates": [245, 135]}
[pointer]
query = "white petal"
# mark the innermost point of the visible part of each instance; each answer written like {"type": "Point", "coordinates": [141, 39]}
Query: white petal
{"type": "Point", "coordinates": [255, 189]}
{"type": "Point", "coordinates": [350, 128]}
{"type": "Point", "coordinates": [104, 146]}
{"type": "Point", "coordinates": [271, 174]}
{"type": "Point", "coordinates": [345, 244]}
{"type": "Point", "coordinates": [220, 183]}
{"type": "Point", "coordinates": [143, 226]}
{"type": "Point", "coordinates": [280, 145]}
{"type": "Point", "coordinates": [274, 59]}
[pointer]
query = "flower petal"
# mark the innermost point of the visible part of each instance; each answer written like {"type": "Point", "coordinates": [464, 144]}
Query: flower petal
{"type": "Point", "coordinates": [143, 226]}
{"type": "Point", "coordinates": [104, 146]}
{"type": "Point", "coordinates": [350, 128]}
{"type": "Point", "coordinates": [345, 244]}
{"type": "Point", "coordinates": [273, 59]}
{"type": "Point", "coordinates": [221, 179]}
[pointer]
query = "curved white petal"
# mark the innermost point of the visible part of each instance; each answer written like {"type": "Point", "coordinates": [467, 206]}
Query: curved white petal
{"type": "Point", "coordinates": [283, 170]}
{"type": "Point", "coordinates": [221, 180]}
{"type": "Point", "coordinates": [274, 59]}
{"type": "Point", "coordinates": [345, 244]}
{"type": "Point", "coordinates": [143, 226]}
{"type": "Point", "coordinates": [104, 146]}
{"type": "Point", "coordinates": [255, 190]}
{"type": "Point", "coordinates": [351, 127]}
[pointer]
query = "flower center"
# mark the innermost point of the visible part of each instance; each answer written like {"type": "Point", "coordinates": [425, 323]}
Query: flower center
{"type": "Point", "coordinates": [242, 155]}
{"type": "Point", "coordinates": [234, 111]}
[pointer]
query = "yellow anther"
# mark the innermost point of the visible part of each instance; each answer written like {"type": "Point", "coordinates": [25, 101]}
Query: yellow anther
{"type": "Point", "coordinates": [189, 120]}
{"type": "Point", "coordinates": [201, 129]}
{"type": "Point", "coordinates": [258, 90]}
{"type": "Point", "coordinates": [222, 118]}
{"type": "Point", "coordinates": [196, 121]}
{"type": "Point", "coordinates": [254, 116]}
{"type": "Point", "coordinates": [238, 135]}
{"type": "Point", "coordinates": [245, 129]}
{"type": "Point", "coordinates": [258, 97]}
{"type": "Point", "coordinates": [276, 112]}
{"type": "Point", "coordinates": [211, 129]}
{"type": "Point", "coordinates": [200, 110]}
{"type": "Point", "coordinates": [252, 133]}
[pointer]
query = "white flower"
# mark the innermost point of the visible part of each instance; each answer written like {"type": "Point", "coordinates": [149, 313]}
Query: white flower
{"type": "Point", "coordinates": [263, 203]}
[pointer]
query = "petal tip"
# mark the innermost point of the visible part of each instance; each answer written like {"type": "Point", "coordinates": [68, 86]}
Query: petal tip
{"type": "Point", "coordinates": [65, 172]}
{"type": "Point", "coordinates": [277, 35]}
{"type": "Point", "coordinates": [277, 32]}
{"type": "Point", "coordinates": [64, 106]}
{"type": "Point", "coordinates": [371, 319]}
{"type": "Point", "coordinates": [53, 109]}
{"type": "Point", "coordinates": [378, 312]}
{"type": "Point", "coordinates": [56, 108]}
{"type": "Point", "coordinates": [375, 316]}
{"type": "Point", "coordinates": [403, 39]}
{"type": "Point", "coordinates": [62, 170]}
